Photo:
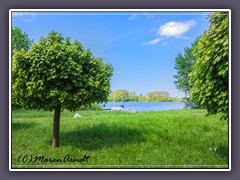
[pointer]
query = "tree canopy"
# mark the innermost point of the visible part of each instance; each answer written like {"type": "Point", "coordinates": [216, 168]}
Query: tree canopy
{"type": "Point", "coordinates": [158, 96]}
{"type": "Point", "coordinates": [56, 71]}
{"type": "Point", "coordinates": [184, 66]}
{"type": "Point", "coordinates": [20, 40]}
{"type": "Point", "coordinates": [209, 78]}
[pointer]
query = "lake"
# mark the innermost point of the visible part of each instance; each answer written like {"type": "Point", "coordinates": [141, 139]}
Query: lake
{"type": "Point", "coordinates": [144, 106]}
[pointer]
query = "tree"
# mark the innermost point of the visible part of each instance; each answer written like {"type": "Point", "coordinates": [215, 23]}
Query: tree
{"type": "Point", "coordinates": [184, 66]}
{"type": "Point", "coordinates": [158, 96]}
{"type": "Point", "coordinates": [209, 78]}
{"type": "Point", "coordinates": [132, 96]}
{"type": "Point", "coordinates": [142, 98]}
{"type": "Point", "coordinates": [164, 96]}
{"type": "Point", "coordinates": [20, 41]}
{"type": "Point", "coordinates": [119, 95]}
{"type": "Point", "coordinates": [151, 96]}
{"type": "Point", "coordinates": [57, 74]}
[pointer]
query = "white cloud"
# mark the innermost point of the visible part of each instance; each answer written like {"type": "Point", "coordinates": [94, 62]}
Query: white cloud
{"type": "Point", "coordinates": [155, 41]}
{"type": "Point", "coordinates": [175, 29]}
{"type": "Point", "coordinates": [132, 17]}
{"type": "Point", "coordinates": [152, 42]}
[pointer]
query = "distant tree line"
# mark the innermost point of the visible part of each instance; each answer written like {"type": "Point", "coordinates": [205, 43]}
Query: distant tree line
{"type": "Point", "coordinates": [155, 96]}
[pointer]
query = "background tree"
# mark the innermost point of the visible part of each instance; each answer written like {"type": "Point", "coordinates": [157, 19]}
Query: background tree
{"type": "Point", "coordinates": [132, 96]}
{"type": "Point", "coordinates": [142, 98]}
{"type": "Point", "coordinates": [210, 76]}
{"type": "Point", "coordinates": [20, 41]}
{"type": "Point", "coordinates": [184, 66]}
{"type": "Point", "coordinates": [164, 96]}
{"type": "Point", "coordinates": [158, 96]}
{"type": "Point", "coordinates": [119, 95]}
{"type": "Point", "coordinates": [57, 74]}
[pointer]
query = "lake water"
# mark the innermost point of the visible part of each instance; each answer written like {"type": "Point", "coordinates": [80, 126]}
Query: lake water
{"type": "Point", "coordinates": [145, 106]}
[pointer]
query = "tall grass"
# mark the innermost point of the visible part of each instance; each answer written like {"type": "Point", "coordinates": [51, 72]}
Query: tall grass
{"type": "Point", "coordinates": [114, 139]}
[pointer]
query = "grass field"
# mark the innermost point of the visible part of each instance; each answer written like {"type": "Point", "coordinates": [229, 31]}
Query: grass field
{"type": "Point", "coordinates": [113, 139]}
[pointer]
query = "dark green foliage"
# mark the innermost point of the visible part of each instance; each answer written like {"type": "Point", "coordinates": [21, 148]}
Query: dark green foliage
{"type": "Point", "coordinates": [58, 72]}
{"type": "Point", "coordinates": [20, 41]}
{"type": "Point", "coordinates": [184, 65]}
{"type": "Point", "coordinates": [190, 105]}
{"type": "Point", "coordinates": [92, 107]}
{"type": "Point", "coordinates": [210, 76]}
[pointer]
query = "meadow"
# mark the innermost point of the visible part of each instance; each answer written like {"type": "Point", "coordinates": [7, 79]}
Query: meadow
{"type": "Point", "coordinates": [115, 139]}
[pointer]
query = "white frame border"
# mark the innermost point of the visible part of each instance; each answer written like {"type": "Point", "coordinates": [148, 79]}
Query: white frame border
{"type": "Point", "coordinates": [114, 10]}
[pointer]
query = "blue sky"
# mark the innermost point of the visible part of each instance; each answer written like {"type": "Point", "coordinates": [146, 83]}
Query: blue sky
{"type": "Point", "coordinates": [141, 46]}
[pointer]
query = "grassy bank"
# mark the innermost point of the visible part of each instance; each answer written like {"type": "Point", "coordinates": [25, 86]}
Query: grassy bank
{"type": "Point", "coordinates": [112, 139]}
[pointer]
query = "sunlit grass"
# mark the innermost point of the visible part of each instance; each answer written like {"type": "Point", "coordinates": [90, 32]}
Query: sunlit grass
{"type": "Point", "coordinates": [113, 139]}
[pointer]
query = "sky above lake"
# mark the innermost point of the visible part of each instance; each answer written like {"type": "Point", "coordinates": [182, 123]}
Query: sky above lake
{"type": "Point", "coordinates": [141, 46]}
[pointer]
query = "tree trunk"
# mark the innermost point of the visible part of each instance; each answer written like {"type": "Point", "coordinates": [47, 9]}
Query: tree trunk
{"type": "Point", "coordinates": [56, 125]}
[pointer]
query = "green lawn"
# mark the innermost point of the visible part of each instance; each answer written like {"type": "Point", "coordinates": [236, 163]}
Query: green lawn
{"type": "Point", "coordinates": [112, 139]}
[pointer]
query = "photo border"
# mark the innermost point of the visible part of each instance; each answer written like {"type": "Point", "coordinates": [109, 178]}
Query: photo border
{"type": "Point", "coordinates": [117, 10]}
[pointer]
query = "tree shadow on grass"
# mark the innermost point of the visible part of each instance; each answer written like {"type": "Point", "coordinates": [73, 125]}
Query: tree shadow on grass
{"type": "Point", "coordinates": [101, 136]}
{"type": "Point", "coordinates": [223, 151]}
{"type": "Point", "coordinates": [22, 125]}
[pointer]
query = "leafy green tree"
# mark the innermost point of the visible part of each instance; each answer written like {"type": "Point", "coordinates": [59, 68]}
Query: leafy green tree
{"type": "Point", "coordinates": [151, 96]}
{"type": "Point", "coordinates": [132, 96]}
{"type": "Point", "coordinates": [119, 95]}
{"type": "Point", "coordinates": [57, 74]}
{"type": "Point", "coordinates": [184, 66]}
{"type": "Point", "coordinates": [142, 98]}
{"type": "Point", "coordinates": [209, 78]}
{"type": "Point", "coordinates": [20, 41]}
{"type": "Point", "coordinates": [158, 96]}
{"type": "Point", "coordinates": [164, 96]}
